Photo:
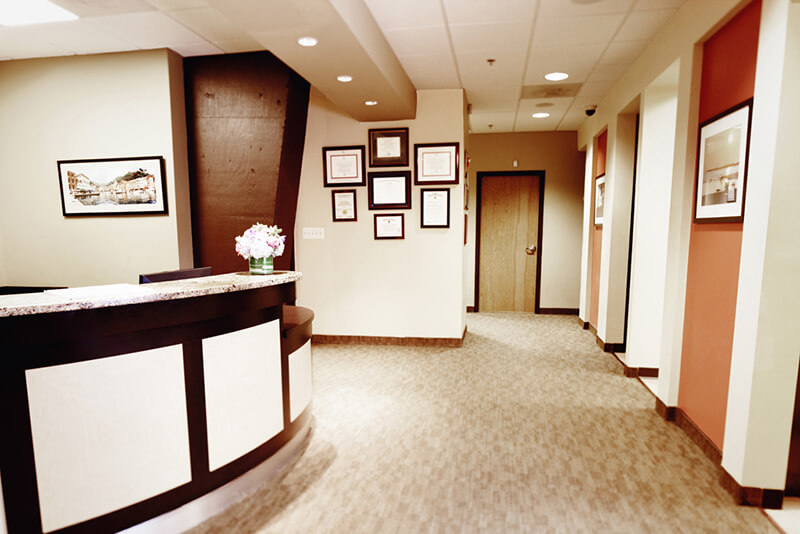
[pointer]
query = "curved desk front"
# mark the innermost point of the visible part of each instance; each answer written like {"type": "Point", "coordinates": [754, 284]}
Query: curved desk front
{"type": "Point", "coordinates": [120, 403]}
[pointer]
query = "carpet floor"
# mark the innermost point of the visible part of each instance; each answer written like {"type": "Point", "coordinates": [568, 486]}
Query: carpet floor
{"type": "Point", "coordinates": [529, 427]}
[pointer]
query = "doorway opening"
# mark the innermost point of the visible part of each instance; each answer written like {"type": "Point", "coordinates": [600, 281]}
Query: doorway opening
{"type": "Point", "coordinates": [509, 217]}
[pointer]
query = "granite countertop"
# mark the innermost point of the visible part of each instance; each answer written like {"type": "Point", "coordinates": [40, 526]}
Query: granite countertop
{"type": "Point", "coordinates": [83, 298]}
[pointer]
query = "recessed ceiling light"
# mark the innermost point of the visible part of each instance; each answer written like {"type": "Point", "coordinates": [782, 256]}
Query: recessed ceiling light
{"type": "Point", "coordinates": [24, 12]}
{"type": "Point", "coordinates": [556, 76]}
{"type": "Point", "coordinates": [371, 103]}
{"type": "Point", "coordinates": [540, 115]}
{"type": "Point", "coordinates": [344, 78]}
{"type": "Point", "coordinates": [307, 41]}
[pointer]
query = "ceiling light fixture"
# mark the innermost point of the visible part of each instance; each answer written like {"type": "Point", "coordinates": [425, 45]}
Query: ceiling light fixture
{"type": "Point", "coordinates": [344, 78]}
{"type": "Point", "coordinates": [556, 76]}
{"type": "Point", "coordinates": [25, 12]}
{"type": "Point", "coordinates": [307, 41]}
{"type": "Point", "coordinates": [371, 103]}
{"type": "Point", "coordinates": [540, 115]}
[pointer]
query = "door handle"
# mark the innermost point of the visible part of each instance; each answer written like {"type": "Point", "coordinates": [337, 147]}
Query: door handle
{"type": "Point", "coordinates": [531, 250]}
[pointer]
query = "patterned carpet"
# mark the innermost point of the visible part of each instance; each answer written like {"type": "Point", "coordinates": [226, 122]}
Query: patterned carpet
{"type": "Point", "coordinates": [527, 428]}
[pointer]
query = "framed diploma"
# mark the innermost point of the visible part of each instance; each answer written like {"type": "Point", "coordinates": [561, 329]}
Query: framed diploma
{"type": "Point", "coordinates": [435, 212]}
{"type": "Point", "coordinates": [389, 226]}
{"type": "Point", "coordinates": [344, 205]}
{"type": "Point", "coordinates": [436, 163]}
{"type": "Point", "coordinates": [389, 190]}
{"type": "Point", "coordinates": [343, 165]}
{"type": "Point", "coordinates": [388, 147]}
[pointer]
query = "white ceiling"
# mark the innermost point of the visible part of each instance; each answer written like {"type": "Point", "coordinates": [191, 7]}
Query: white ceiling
{"type": "Point", "coordinates": [438, 43]}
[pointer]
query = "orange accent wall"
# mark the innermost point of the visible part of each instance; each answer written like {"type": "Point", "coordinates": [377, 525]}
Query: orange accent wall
{"type": "Point", "coordinates": [597, 243]}
{"type": "Point", "coordinates": [728, 78]}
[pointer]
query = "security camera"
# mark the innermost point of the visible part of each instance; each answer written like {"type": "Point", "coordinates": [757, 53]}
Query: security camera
{"type": "Point", "coordinates": [590, 110]}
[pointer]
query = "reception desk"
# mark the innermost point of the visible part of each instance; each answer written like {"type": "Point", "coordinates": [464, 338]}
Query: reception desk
{"type": "Point", "coordinates": [120, 403]}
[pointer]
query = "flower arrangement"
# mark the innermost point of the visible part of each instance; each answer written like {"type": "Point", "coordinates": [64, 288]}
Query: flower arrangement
{"type": "Point", "coordinates": [260, 241]}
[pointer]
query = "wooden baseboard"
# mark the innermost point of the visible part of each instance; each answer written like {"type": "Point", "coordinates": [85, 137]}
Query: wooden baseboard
{"type": "Point", "coordinates": [584, 324]}
{"type": "Point", "coordinates": [748, 496]}
{"type": "Point", "coordinates": [742, 495]}
{"type": "Point", "coordinates": [470, 309]}
{"type": "Point", "coordinates": [322, 339]}
{"type": "Point", "coordinates": [647, 372]}
{"type": "Point", "coordinates": [591, 328]}
{"type": "Point", "coordinates": [558, 311]}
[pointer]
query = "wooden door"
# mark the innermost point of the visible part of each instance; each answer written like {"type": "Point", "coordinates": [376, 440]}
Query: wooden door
{"type": "Point", "coordinates": [509, 224]}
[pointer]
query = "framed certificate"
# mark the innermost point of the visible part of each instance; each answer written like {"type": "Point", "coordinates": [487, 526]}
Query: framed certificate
{"type": "Point", "coordinates": [344, 205]}
{"type": "Point", "coordinates": [388, 147]}
{"type": "Point", "coordinates": [343, 165]}
{"type": "Point", "coordinates": [599, 199]}
{"type": "Point", "coordinates": [436, 163]}
{"type": "Point", "coordinates": [389, 226]}
{"type": "Point", "coordinates": [435, 212]}
{"type": "Point", "coordinates": [389, 190]}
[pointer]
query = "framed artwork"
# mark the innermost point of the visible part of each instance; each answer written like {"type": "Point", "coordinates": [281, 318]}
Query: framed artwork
{"type": "Point", "coordinates": [388, 147]}
{"type": "Point", "coordinates": [113, 186]}
{"type": "Point", "coordinates": [389, 226]}
{"type": "Point", "coordinates": [435, 211]}
{"type": "Point", "coordinates": [343, 165]}
{"type": "Point", "coordinates": [436, 164]}
{"type": "Point", "coordinates": [389, 190]}
{"type": "Point", "coordinates": [599, 199]}
{"type": "Point", "coordinates": [344, 205]}
{"type": "Point", "coordinates": [722, 154]}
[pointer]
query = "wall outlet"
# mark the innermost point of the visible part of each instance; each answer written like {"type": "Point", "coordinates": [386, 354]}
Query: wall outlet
{"type": "Point", "coordinates": [313, 233]}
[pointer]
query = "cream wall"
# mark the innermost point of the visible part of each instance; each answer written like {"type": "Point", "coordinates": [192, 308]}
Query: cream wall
{"type": "Point", "coordinates": [101, 106]}
{"type": "Point", "coordinates": [651, 218]}
{"type": "Point", "coordinates": [2, 262]}
{"type": "Point", "coordinates": [556, 154]}
{"type": "Point", "coordinates": [395, 288]}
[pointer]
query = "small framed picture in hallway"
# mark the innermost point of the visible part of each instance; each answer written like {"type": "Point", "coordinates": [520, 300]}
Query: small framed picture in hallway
{"type": "Point", "coordinates": [599, 199]}
{"type": "Point", "coordinates": [722, 151]}
{"type": "Point", "coordinates": [436, 163]}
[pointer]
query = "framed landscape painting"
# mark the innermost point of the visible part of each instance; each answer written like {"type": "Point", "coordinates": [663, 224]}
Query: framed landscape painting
{"type": "Point", "coordinates": [113, 186]}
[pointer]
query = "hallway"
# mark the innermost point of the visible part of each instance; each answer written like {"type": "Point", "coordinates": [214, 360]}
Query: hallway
{"type": "Point", "coordinates": [527, 428]}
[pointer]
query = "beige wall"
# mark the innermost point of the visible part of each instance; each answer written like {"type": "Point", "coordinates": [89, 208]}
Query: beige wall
{"type": "Point", "coordinates": [102, 106]}
{"type": "Point", "coordinates": [556, 154]}
{"type": "Point", "coordinates": [357, 285]}
{"type": "Point", "coordinates": [2, 262]}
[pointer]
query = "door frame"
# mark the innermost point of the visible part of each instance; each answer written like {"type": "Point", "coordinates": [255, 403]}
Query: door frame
{"type": "Point", "coordinates": [489, 174]}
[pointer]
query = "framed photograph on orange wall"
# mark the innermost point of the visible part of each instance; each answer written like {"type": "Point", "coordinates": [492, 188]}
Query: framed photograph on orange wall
{"type": "Point", "coordinates": [722, 155]}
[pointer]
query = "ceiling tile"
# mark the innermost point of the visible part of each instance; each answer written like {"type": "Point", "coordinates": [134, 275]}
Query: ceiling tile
{"type": "Point", "coordinates": [431, 71]}
{"type": "Point", "coordinates": [418, 41]}
{"type": "Point", "coordinates": [576, 30]}
{"type": "Point", "coordinates": [98, 8]}
{"type": "Point", "coordinates": [16, 43]}
{"type": "Point", "coordinates": [567, 8]}
{"type": "Point", "coordinates": [643, 25]}
{"type": "Point", "coordinates": [244, 44]}
{"type": "Point", "coordinates": [506, 69]}
{"type": "Point", "coordinates": [500, 122]}
{"type": "Point", "coordinates": [76, 37]}
{"type": "Point", "coordinates": [169, 5]}
{"type": "Point", "coordinates": [534, 105]}
{"type": "Point", "coordinates": [642, 5]}
{"type": "Point", "coordinates": [526, 123]}
{"type": "Point", "coordinates": [488, 38]}
{"type": "Point", "coordinates": [596, 89]}
{"type": "Point", "coordinates": [571, 121]}
{"type": "Point", "coordinates": [209, 23]}
{"type": "Point", "coordinates": [493, 100]}
{"type": "Point", "coordinates": [472, 11]}
{"type": "Point", "coordinates": [197, 49]}
{"type": "Point", "coordinates": [148, 30]}
{"type": "Point", "coordinates": [623, 51]}
{"type": "Point", "coordinates": [608, 72]}
{"type": "Point", "coordinates": [394, 14]}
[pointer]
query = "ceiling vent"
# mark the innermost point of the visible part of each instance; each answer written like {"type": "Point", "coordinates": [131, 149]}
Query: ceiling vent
{"type": "Point", "coordinates": [551, 90]}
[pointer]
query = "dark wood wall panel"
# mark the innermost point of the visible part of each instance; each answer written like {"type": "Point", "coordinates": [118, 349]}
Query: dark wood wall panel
{"type": "Point", "coordinates": [246, 116]}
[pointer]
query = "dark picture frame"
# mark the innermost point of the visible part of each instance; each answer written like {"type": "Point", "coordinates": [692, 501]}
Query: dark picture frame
{"type": "Point", "coordinates": [389, 190]}
{"type": "Point", "coordinates": [388, 147]}
{"type": "Point", "coordinates": [343, 166]}
{"type": "Point", "coordinates": [436, 164]}
{"type": "Point", "coordinates": [386, 226]}
{"type": "Point", "coordinates": [599, 199]}
{"type": "Point", "coordinates": [434, 206]}
{"type": "Point", "coordinates": [723, 152]}
{"type": "Point", "coordinates": [344, 209]}
{"type": "Point", "coordinates": [113, 186]}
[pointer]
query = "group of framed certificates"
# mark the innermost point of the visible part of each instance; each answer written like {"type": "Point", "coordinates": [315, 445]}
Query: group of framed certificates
{"type": "Point", "coordinates": [434, 164]}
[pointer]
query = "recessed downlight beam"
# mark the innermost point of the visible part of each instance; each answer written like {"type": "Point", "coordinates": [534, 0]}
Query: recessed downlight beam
{"type": "Point", "coordinates": [307, 41]}
{"type": "Point", "coordinates": [556, 76]}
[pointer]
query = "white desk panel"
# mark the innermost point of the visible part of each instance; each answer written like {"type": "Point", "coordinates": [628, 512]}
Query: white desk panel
{"type": "Point", "coordinates": [300, 380]}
